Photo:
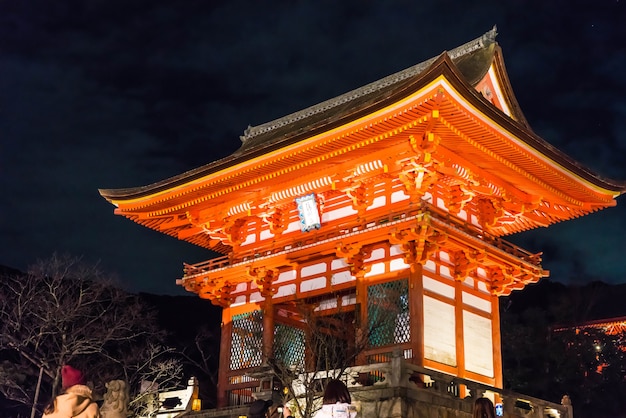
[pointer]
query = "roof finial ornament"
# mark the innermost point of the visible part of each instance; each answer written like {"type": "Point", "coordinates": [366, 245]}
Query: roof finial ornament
{"type": "Point", "coordinates": [491, 35]}
{"type": "Point", "coordinates": [246, 133]}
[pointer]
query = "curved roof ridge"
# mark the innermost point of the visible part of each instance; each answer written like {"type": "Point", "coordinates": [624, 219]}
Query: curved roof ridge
{"type": "Point", "coordinates": [252, 131]}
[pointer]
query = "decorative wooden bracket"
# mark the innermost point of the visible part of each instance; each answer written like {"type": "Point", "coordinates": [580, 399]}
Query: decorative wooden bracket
{"type": "Point", "coordinates": [417, 243]}
{"type": "Point", "coordinates": [360, 195]}
{"type": "Point", "coordinates": [458, 196]}
{"type": "Point", "coordinates": [264, 278]}
{"type": "Point", "coordinates": [275, 218]}
{"type": "Point", "coordinates": [465, 262]}
{"type": "Point", "coordinates": [214, 289]}
{"type": "Point", "coordinates": [489, 211]}
{"type": "Point", "coordinates": [417, 177]}
{"type": "Point", "coordinates": [213, 229]}
{"type": "Point", "coordinates": [194, 219]}
{"type": "Point", "coordinates": [406, 239]}
{"type": "Point", "coordinates": [497, 280]}
{"type": "Point", "coordinates": [229, 231]}
{"type": "Point", "coordinates": [515, 207]}
{"type": "Point", "coordinates": [424, 146]}
{"type": "Point", "coordinates": [355, 255]}
{"type": "Point", "coordinates": [233, 228]}
{"type": "Point", "coordinates": [433, 242]}
{"type": "Point", "coordinates": [503, 280]}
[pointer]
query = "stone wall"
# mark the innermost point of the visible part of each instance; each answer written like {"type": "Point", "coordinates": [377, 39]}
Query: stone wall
{"type": "Point", "coordinates": [403, 390]}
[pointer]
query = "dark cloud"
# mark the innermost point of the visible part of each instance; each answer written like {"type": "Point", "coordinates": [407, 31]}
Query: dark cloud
{"type": "Point", "coordinates": [107, 94]}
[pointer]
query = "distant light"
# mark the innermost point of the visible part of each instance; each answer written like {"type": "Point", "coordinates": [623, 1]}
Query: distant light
{"type": "Point", "coordinates": [196, 405]}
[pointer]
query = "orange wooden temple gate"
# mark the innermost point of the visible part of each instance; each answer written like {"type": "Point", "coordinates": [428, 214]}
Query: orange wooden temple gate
{"type": "Point", "coordinates": [393, 196]}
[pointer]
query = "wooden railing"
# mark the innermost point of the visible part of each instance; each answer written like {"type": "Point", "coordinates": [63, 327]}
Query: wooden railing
{"type": "Point", "coordinates": [399, 388]}
{"type": "Point", "coordinates": [444, 391]}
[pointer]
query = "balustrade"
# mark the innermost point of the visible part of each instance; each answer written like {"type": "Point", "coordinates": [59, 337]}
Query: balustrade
{"type": "Point", "coordinates": [445, 391]}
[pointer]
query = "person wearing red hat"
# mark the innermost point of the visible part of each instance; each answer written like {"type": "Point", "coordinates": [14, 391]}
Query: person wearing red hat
{"type": "Point", "coordinates": [75, 401]}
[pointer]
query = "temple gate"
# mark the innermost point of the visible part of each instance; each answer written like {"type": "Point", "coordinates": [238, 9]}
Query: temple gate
{"type": "Point", "coordinates": [383, 210]}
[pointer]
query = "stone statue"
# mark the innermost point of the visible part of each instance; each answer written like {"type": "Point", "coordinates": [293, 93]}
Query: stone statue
{"type": "Point", "coordinates": [116, 399]}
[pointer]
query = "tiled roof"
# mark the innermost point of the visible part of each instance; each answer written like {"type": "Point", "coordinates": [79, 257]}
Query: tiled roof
{"type": "Point", "coordinates": [471, 61]}
{"type": "Point", "coordinates": [472, 54]}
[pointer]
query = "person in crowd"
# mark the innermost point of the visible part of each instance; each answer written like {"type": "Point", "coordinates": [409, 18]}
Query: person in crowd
{"type": "Point", "coordinates": [259, 408]}
{"type": "Point", "coordinates": [286, 412]}
{"type": "Point", "coordinates": [336, 402]}
{"type": "Point", "coordinates": [483, 408]}
{"type": "Point", "coordinates": [267, 409]}
{"type": "Point", "coordinates": [75, 400]}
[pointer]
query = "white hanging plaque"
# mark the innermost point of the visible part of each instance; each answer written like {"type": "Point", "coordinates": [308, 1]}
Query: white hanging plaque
{"type": "Point", "coordinates": [308, 212]}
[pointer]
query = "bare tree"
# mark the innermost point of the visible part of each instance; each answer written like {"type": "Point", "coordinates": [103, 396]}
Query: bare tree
{"type": "Point", "coordinates": [305, 357]}
{"type": "Point", "coordinates": [63, 311]}
{"type": "Point", "coordinates": [200, 357]}
{"type": "Point", "coordinates": [317, 340]}
{"type": "Point", "coordinates": [160, 375]}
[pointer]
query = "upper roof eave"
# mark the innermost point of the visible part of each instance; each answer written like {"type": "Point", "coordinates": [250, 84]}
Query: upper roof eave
{"type": "Point", "coordinates": [299, 125]}
{"type": "Point", "coordinates": [473, 59]}
{"type": "Point", "coordinates": [255, 139]}
{"type": "Point", "coordinates": [520, 129]}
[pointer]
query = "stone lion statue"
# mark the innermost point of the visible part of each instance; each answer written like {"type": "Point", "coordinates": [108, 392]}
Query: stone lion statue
{"type": "Point", "coordinates": [116, 399]}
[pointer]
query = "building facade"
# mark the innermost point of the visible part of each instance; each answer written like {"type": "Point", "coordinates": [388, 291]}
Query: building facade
{"type": "Point", "coordinates": [380, 216]}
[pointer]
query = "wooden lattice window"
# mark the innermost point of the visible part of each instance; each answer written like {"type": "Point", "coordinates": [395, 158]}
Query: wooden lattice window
{"type": "Point", "coordinates": [289, 346]}
{"type": "Point", "coordinates": [246, 340]}
{"type": "Point", "coordinates": [388, 313]}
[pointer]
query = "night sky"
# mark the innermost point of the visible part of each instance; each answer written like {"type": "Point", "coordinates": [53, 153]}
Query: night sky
{"type": "Point", "coordinates": [112, 94]}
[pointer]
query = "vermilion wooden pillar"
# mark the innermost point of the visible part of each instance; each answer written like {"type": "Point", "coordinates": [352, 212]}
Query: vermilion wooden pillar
{"type": "Point", "coordinates": [416, 309]}
{"type": "Point", "coordinates": [497, 340]}
{"type": "Point", "coordinates": [268, 328]}
{"type": "Point", "coordinates": [224, 363]}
